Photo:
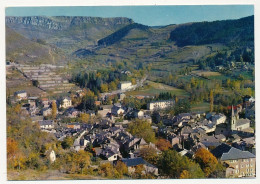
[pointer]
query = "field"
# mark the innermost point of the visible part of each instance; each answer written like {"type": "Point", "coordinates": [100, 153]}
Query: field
{"type": "Point", "coordinates": [206, 73]}
{"type": "Point", "coordinates": [15, 81]}
{"type": "Point", "coordinates": [203, 106]}
{"type": "Point", "coordinates": [153, 88]}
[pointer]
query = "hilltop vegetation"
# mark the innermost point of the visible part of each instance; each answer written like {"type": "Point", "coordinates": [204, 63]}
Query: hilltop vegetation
{"type": "Point", "coordinates": [230, 32]}
{"type": "Point", "coordinates": [118, 35]}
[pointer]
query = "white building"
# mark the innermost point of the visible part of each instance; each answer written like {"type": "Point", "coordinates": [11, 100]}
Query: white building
{"type": "Point", "coordinates": [20, 95]}
{"type": "Point", "coordinates": [65, 103]}
{"type": "Point", "coordinates": [117, 110]}
{"type": "Point", "coordinates": [125, 85]}
{"type": "Point", "coordinates": [160, 104]}
{"type": "Point", "coordinates": [219, 118]}
{"type": "Point", "coordinates": [52, 156]}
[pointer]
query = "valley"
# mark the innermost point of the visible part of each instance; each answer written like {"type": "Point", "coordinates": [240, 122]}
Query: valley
{"type": "Point", "coordinates": [109, 98]}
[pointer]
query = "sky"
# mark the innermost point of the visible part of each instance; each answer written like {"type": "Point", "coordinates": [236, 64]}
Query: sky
{"type": "Point", "coordinates": [147, 15]}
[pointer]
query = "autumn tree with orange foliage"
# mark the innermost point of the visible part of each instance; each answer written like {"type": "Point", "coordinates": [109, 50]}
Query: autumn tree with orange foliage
{"type": "Point", "coordinates": [163, 144]}
{"type": "Point", "coordinates": [184, 174]}
{"type": "Point", "coordinates": [15, 157]}
{"type": "Point", "coordinates": [207, 161]}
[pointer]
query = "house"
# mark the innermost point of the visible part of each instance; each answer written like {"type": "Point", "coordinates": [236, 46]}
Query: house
{"type": "Point", "coordinates": [218, 119]}
{"type": "Point", "coordinates": [20, 95]}
{"type": "Point", "coordinates": [45, 102]}
{"type": "Point", "coordinates": [72, 113]}
{"type": "Point", "coordinates": [146, 118]}
{"type": "Point", "coordinates": [139, 113]}
{"type": "Point", "coordinates": [241, 126]}
{"type": "Point", "coordinates": [125, 85]}
{"type": "Point", "coordinates": [246, 144]}
{"type": "Point", "coordinates": [97, 103]}
{"type": "Point", "coordinates": [132, 163]}
{"type": "Point", "coordinates": [32, 101]}
{"type": "Point", "coordinates": [117, 109]}
{"type": "Point", "coordinates": [51, 155]}
{"type": "Point", "coordinates": [239, 163]}
{"type": "Point", "coordinates": [110, 151]}
{"type": "Point", "coordinates": [91, 113]}
{"type": "Point", "coordinates": [46, 124]}
{"type": "Point", "coordinates": [65, 102]}
{"type": "Point", "coordinates": [105, 109]}
{"type": "Point", "coordinates": [121, 96]}
{"type": "Point", "coordinates": [46, 111]}
{"type": "Point", "coordinates": [160, 104]}
{"type": "Point", "coordinates": [210, 141]}
{"type": "Point", "coordinates": [74, 126]}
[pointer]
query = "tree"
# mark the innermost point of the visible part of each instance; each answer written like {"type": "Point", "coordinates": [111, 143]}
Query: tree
{"type": "Point", "coordinates": [163, 144]}
{"type": "Point", "coordinates": [67, 142]}
{"type": "Point", "coordinates": [207, 161]}
{"type": "Point", "coordinates": [106, 169]}
{"type": "Point", "coordinates": [17, 108]}
{"type": "Point", "coordinates": [149, 154]}
{"type": "Point", "coordinates": [53, 109]}
{"type": "Point", "coordinates": [182, 106]}
{"type": "Point", "coordinates": [185, 174]}
{"type": "Point", "coordinates": [104, 88]}
{"type": "Point", "coordinates": [156, 117]}
{"type": "Point", "coordinates": [211, 97]}
{"type": "Point", "coordinates": [112, 86]}
{"type": "Point", "coordinates": [142, 129]}
{"type": "Point", "coordinates": [172, 164]}
{"type": "Point", "coordinates": [121, 168]}
{"type": "Point", "coordinates": [84, 117]}
{"type": "Point", "coordinates": [35, 83]}
{"type": "Point", "coordinates": [138, 171]}
{"type": "Point", "coordinates": [82, 160]}
{"type": "Point", "coordinates": [133, 81]}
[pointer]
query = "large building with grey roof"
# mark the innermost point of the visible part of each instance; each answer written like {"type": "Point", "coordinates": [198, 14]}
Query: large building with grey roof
{"type": "Point", "coordinates": [239, 163]}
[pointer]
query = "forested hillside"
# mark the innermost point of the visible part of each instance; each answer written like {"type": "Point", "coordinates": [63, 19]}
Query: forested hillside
{"type": "Point", "coordinates": [228, 32]}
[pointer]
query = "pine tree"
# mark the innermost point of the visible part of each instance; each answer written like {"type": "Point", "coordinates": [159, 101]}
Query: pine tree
{"type": "Point", "coordinates": [211, 100]}
{"type": "Point", "coordinates": [54, 109]}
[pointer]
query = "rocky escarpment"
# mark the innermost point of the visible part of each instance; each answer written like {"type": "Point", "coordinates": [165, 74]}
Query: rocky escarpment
{"type": "Point", "coordinates": [64, 22]}
{"type": "Point", "coordinates": [36, 21]}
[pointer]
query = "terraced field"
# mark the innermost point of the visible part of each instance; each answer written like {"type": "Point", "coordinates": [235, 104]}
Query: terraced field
{"type": "Point", "coordinates": [47, 76]}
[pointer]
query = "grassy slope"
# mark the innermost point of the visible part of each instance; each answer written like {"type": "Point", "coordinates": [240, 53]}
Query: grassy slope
{"type": "Point", "coordinates": [22, 50]}
{"type": "Point", "coordinates": [154, 88]}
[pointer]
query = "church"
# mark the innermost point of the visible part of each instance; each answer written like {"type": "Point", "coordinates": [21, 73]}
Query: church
{"type": "Point", "coordinates": [240, 126]}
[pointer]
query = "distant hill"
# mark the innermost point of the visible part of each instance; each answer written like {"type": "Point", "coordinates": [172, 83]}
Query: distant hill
{"type": "Point", "coordinates": [118, 35]}
{"type": "Point", "coordinates": [23, 50]}
{"type": "Point", "coordinates": [69, 33]}
{"type": "Point", "coordinates": [228, 32]}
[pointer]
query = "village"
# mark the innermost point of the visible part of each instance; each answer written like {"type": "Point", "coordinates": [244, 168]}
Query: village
{"type": "Point", "coordinates": [230, 139]}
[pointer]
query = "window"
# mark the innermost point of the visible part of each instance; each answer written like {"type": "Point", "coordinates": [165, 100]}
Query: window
{"type": "Point", "coordinates": [251, 165]}
{"type": "Point", "coordinates": [236, 166]}
{"type": "Point", "coordinates": [241, 166]}
{"type": "Point", "coordinates": [247, 165]}
{"type": "Point", "coordinates": [247, 170]}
